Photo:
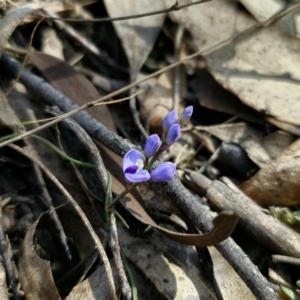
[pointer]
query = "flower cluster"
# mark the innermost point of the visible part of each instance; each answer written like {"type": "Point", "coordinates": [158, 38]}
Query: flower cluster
{"type": "Point", "coordinates": [136, 168]}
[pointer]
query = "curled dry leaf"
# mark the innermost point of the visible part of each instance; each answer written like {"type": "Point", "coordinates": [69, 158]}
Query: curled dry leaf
{"type": "Point", "coordinates": [278, 182]}
{"type": "Point", "coordinates": [224, 225]}
{"type": "Point", "coordinates": [9, 23]}
{"type": "Point", "coordinates": [35, 273]}
{"type": "Point", "coordinates": [7, 26]}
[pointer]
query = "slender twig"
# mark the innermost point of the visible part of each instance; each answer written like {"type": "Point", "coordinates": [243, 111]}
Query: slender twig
{"type": "Point", "coordinates": [230, 120]}
{"type": "Point", "coordinates": [25, 58]}
{"type": "Point", "coordinates": [286, 260]}
{"type": "Point", "coordinates": [174, 7]}
{"type": "Point", "coordinates": [135, 113]}
{"type": "Point", "coordinates": [177, 73]}
{"type": "Point", "coordinates": [115, 248]}
{"type": "Point", "coordinates": [213, 158]}
{"type": "Point", "coordinates": [47, 200]}
{"type": "Point", "coordinates": [114, 242]}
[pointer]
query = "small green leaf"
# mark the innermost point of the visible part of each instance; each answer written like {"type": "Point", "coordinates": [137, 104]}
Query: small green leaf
{"type": "Point", "coordinates": [288, 292]}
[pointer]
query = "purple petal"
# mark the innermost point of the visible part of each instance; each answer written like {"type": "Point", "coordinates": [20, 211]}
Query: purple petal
{"type": "Point", "coordinates": [186, 115]}
{"type": "Point", "coordinates": [152, 144]}
{"type": "Point", "coordinates": [131, 169]}
{"type": "Point", "coordinates": [171, 118]}
{"type": "Point", "coordinates": [173, 134]}
{"type": "Point", "coordinates": [164, 172]}
{"type": "Point", "coordinates": [140, 176]}
{"type": "Point", "coordinates": [130, 158]}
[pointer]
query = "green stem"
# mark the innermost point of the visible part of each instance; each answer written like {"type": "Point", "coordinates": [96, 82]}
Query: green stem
{"type": "Point", "coordinates": [121, 219]}
{"type": "Point", "coordinates": [120, 196]}
{"type": "Point", "coordinates": [107, 197]}
{"type": "Point", "coordinates": [61, 153]}
{"type": "Point", "coordinates": [131, 278]}
{"type": "Point", "coordinates": [8, 137]}
{"type": "Point", "coordinates": [57, 150]}
{"type": "Point", "coordinates": [155, 156]}
{"type": "Point", "coordinates": [107, 201]}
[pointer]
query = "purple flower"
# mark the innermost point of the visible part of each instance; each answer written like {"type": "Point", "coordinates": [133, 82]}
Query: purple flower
{"type": "Point", "coordinates": [171, 118]}
{"type": "Point", "coordinates": [164, 172]}
{"type": "Point", "coordinates": [133, 165]}
{"type": "Point", "coordinates": [173, 134]}
{"type": "Point", "coordinates": [186, 115]}
{"type": "Point", "coordinates": [152, 144]}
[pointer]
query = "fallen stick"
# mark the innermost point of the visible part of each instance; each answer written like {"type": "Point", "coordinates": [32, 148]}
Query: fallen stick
{"type": "Point", "coordinates": [275, 236]}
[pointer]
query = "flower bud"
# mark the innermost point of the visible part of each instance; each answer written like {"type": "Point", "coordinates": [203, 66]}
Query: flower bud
{"type": "Point", "coordinates": [173, 134]}
{"type": "Point", "coordinates": [152, 144]}
{"type": "Point", "coordinates": [170, 119]}
{"type": "Point", "coordinates": [164, 172]}
{"type": "Point", "coordinates": [186, 115]}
